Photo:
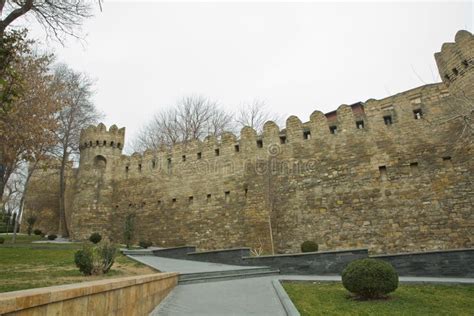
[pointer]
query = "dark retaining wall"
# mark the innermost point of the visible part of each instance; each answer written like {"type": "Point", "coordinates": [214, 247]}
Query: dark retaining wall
{"type": "Point", "coordinates": [328, 262]}
{"type": "Point", "coordinates": [444, 263]}
{"type": "Point", "coordinates": [175, 253]}
{"type": "Point", "coordinates": [226, 256]}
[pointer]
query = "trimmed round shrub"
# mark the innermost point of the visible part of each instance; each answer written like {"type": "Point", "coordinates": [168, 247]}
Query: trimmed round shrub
{"type": "Point", "coordinates": [370, 278]}
{"type": "Point", "coordinates": [145, 243]}
{"type": "Point", "coordinates": [2, 240]}
{"type": "Point", "coordinates": [95, 238]}
{"type": "Point", "coordinates": [37, 232]}
{"type": "Point", "coordinates": [52, 237]}
{"type": "Point", "coordinates": [309, 246]}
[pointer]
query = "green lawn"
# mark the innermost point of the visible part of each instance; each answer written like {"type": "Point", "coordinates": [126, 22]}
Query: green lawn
{"type": "Point", "coordinates": [27, 265]}
{"type": "Point", "coordinates": [330, 298]}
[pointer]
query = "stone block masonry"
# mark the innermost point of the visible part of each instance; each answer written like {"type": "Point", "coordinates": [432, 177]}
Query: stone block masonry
{"type": "Point", "coordinates": [137, 295]}
{"type": "Point", "coordinates": [391, 175]}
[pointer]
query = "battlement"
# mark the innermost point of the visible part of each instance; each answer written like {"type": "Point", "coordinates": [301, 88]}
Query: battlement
{"type": "Point", "coordinates": [456, 59]}
{"type": "Point", "coordinates": [362, 120]}
{"type": "Point", "coordinates": [99, 136]}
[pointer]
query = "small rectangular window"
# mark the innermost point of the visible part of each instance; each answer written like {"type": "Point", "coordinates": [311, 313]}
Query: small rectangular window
{"type": "Point", "coordinates": [153, 164]}
{"type": "Point", "coordinates": [139, 167]}
{"type": "Point", "coordinates": [282, 140]}
{"type": "Point", "coordinates": [227, 196]}
{"type": "Point", "coordinates": [259, 143]}
{"type": "Point", "coordinates": [360, 124]}
{"type": "Point", "coordinates": [237, 148]}
{"type": "Point", "coordinates": [418, 114]}
{"type": "Point", "coordinates": [414, 167]}
{"type": "Point", "coordinates": [169, 164]}
{"type": "Point", "coordinates": [191, 199]}
{"type": "Point", "coordinates": [126, 168]}
{"type": "Point", "coordinates": [307, 135]}
{"type": "Point", "coordinates": [383, 172]}
{"type": "Point", "coordinates": [199, 155]}
{"type": "Point", "coordinates": [173, 201]}
{"type": "Point", "coordinates": [184, 157]}
{"type": "Point", "coordinates": [208, 198]}
{"type": "Point", "coordinates": [158, 203]}
{"type": "Point", "coordinates": [216, 152]}
{"type": "Point", "coordinates": [447, 161]}
{"type": "Point", "coordinates": [333, 129]}
{"type": "Point", "coordinates": [387, 119]}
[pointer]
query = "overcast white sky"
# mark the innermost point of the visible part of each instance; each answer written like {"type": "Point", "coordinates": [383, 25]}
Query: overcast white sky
{"type": "Point", "coordinates": [298, 57]}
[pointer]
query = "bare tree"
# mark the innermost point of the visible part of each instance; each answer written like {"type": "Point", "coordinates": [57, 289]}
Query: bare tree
{"type": "Point", "coordinates": [194, 117]}
{"type": "Point", "coordinates": [22, 180]}
{"type": "Point", "coordinates": [57, 17]}
{"type": "Point", "coordinates": [78, 112]}
{"type": "Point", "coordinates": [255, 114]}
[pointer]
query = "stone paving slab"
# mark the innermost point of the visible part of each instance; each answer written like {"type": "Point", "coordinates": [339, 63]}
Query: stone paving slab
{"type": "Point", "coordinates": [185, 266]}
{"type": "Point", "coordinates": [254, 296]}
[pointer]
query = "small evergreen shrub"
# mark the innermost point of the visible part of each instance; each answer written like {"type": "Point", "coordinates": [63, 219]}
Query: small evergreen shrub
{"type": "Point", "coordinates": [95, 238]}
{"type": "Point", "coordinates": [370, 278]}
{"type": "Point", "coordinates": [145, 243]}
{"type": "Point", "coordinates": [2, 240]}
{"type": "Point", "coordinates": [95, 260]}
{"type": "Point", "coordinates": [52, 237]}
{"type": "Point", "coordinates": [84, 260]}
{"type": "Point", "coordinates": [309, 246]}
{"type": "Point", "coordinates": [37, 232]}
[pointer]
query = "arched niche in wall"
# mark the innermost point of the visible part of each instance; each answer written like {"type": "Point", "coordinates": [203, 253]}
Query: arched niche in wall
{"type": "Point", "coordinates": [100, 162]}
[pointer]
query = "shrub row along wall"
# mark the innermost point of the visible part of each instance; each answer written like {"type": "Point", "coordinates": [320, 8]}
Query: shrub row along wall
{"type": "Point", "coordinates": [447, 263]}
{"type": "Point", "coordinates": [137, 295]}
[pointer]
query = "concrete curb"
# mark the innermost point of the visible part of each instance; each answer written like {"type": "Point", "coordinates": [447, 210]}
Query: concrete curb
{"type": "Point", "coordinates": [285, 300]}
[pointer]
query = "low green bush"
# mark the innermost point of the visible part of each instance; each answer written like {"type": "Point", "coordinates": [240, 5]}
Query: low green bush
{"type": "Point", "coordinates": [52, 237]}
{"type": "Point", "coordinates": [145, 243]}
{"type": "Point", "coordinates": [84, 260]}
{"type": "Point", "coordinates": [95, 260]}
{"type": "Point", "coordinates": [2, 240]}
{"type": "Point", "coordinates": [309, 246]}
{"type": "Point", "coordinates": [370, 278]}
{"type": "Point", "coordinates": [95, 238]}
{"type": "Point", "coordinates": [37, 232]}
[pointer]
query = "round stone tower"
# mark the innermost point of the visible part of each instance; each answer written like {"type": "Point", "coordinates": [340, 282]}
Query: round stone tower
{"type": "Point", "coordinates": [456, 64]}
{"type": "Point", "coordinates": [100, 152]}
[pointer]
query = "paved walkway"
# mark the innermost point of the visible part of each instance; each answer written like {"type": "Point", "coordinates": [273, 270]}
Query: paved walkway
{"type": "Point", "coordinates": [253, 296]}
{"type": "Point", "coordinates": [185, 266]}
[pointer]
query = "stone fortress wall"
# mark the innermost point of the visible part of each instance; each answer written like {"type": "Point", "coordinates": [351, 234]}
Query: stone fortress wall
{"type": "Point", "coordinates": [393, 175]}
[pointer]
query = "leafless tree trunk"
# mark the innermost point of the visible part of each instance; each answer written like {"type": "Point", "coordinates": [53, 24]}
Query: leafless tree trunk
{"type": "Point", "coordinates": [77, 113]}
{"type": "Point", "coordinates": [29, 173]}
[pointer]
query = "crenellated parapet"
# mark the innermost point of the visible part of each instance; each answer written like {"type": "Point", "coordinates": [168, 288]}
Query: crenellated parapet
{"type": "Point", "coordinates": [456, 60]}
{"type": "Point", "coordinates": [99, 136]}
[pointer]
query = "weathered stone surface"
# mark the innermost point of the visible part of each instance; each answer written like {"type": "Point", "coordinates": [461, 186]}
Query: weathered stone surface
{"type": "Point", "coordinates": [136, 295]}
{"type": "Point", "coordinates": [406, 186]}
